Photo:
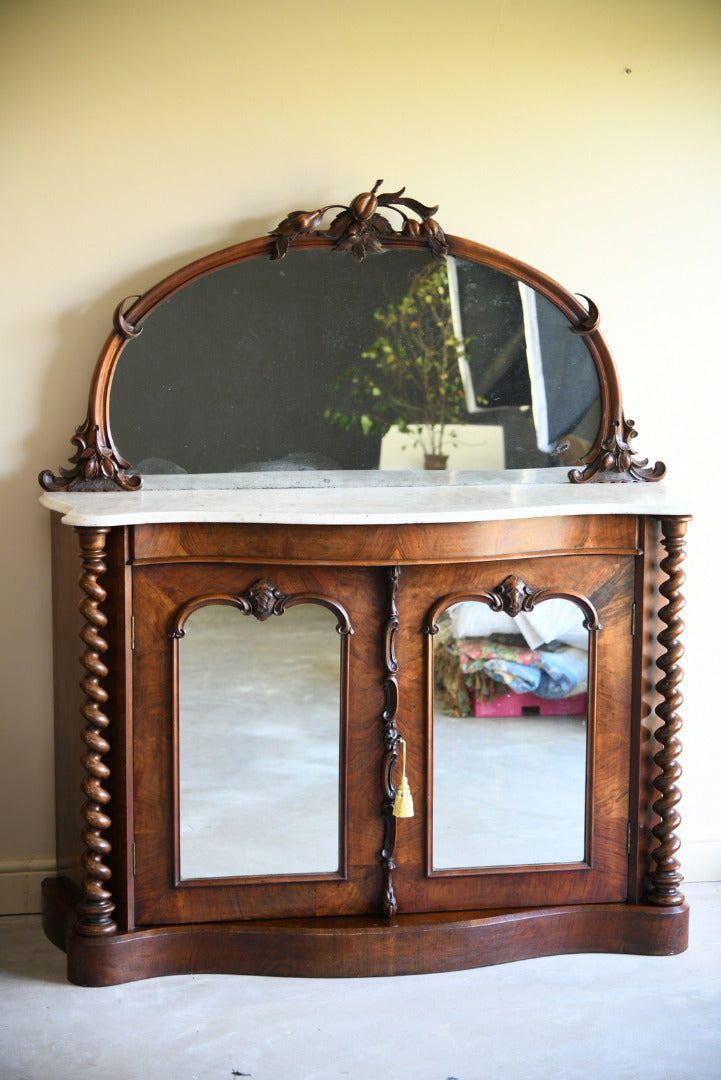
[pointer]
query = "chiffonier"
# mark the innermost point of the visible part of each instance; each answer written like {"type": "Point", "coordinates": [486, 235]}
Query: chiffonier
{"type": "Point", "coordinates": [378, 618]}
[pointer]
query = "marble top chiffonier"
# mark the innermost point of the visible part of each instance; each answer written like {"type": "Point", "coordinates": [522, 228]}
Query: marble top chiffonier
{"type": "Point", "coordinates": [378, 617]}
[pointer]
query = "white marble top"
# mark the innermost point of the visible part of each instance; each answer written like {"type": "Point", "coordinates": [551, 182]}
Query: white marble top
{"type": "Point", "coordinates": [362, 498]}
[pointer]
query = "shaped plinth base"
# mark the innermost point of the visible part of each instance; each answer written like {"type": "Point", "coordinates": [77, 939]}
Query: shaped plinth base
{"type": "Point", "coordinates": [361, 945]}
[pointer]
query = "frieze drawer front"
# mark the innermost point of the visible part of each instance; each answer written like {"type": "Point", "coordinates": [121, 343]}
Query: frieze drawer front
{"type": "Point", "coordinates": [458, 541]}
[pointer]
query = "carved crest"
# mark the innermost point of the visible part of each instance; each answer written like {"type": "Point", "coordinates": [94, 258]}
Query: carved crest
{"type": "Point", "coordinates": [515, 595]}
{"type": "Point", "coordinates": [263, 600]}
{"type": "Point", "coordinates": [512, 597]}
{"type": "Point", "coordinates": [360, 228]}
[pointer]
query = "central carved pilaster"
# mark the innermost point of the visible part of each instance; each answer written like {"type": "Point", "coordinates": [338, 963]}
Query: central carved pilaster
{"type": "Point", "coordinates": [391, 741]}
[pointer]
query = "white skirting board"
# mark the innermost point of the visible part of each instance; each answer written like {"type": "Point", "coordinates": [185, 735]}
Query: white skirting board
{"type": "Point", "coordinates": [20, 881]}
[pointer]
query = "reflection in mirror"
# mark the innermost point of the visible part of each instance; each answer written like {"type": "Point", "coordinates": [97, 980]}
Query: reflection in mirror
{"type": "Point", "coordinates": [317, 362]}
{"type": "Point", "coordinates": [256, 698]}
{"type": "Point", "coordinates": [510, 736]}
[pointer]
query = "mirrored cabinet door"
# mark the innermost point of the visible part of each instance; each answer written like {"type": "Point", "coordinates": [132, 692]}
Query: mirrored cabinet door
{"type": "Point", "coordinates": [510, 730]}
{"type": "Point", "coordinates": [524, 689]}
{"type": "Point", "coordinates": [248, 800]}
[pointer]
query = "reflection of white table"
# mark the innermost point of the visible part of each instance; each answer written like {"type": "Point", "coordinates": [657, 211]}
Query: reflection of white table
{"type": "Point", "coordinates": [468, 446]}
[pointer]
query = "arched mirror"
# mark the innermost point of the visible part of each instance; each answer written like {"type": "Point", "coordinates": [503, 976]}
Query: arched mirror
{"type": "Point", "coordinates": [245, 720]}
{"type": "Point", "coordinates": [510, 736]}
{"type": "Point", "coordinates": [326, 363]}
{"type": "Point", "coordinates": [290, 354]}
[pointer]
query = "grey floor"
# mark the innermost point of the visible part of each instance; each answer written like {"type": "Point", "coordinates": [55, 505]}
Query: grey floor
{"type": "Point", "coordinates": [555, 1018]}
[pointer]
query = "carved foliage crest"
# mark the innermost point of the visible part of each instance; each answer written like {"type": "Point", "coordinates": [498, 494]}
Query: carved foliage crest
{"type": "Point", "coordinates": [360, 228]}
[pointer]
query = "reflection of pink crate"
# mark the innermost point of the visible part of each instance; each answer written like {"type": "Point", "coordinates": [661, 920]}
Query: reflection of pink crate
{"type": "Point", "coordinates": [517, 704]}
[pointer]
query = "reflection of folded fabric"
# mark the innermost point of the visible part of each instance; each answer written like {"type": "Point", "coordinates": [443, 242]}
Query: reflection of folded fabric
{"type": "Point", "coordinates": [565, 672]}
{"type": "Point", "coordinates": [520, 679]}
{"type": "Point", "coordinates": [560, 672]}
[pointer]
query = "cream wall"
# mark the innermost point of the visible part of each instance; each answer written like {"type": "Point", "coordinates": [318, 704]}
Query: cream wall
{"type": "Point", "coordinates": [137, 136]}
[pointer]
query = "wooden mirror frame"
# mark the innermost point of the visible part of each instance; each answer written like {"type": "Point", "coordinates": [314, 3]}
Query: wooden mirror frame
{"type": "Point", "coordinates": [361, 229]}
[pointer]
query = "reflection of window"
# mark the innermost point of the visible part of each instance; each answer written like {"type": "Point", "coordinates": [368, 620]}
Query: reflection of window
{"type": "Point", "coordinates": [520, 353]}
{"type": "Point", "coordinates": [534, 354]}
{"type": "Point", "coordinates": [564, 384]}
{"type": "Point", "coordinates": [487, 313]}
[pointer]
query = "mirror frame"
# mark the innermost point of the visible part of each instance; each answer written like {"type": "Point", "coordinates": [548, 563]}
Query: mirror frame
{"type": "Point", "coordinates": [359, 229]}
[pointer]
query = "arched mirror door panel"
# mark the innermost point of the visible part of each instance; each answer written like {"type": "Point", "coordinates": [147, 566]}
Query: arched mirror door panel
{"type": "Point", "coordinates": [244, 680]}
{"type": "Point", "coordinates": [524, 751]}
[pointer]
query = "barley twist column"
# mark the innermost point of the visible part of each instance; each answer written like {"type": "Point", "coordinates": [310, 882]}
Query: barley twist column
{"type": "Point", "coordinates": [95, 907]}
{"type": "Point", "coordinates": [665, 878]}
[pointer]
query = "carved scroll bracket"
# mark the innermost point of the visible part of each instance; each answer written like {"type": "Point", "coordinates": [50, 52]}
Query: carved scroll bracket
{"type": "Point", "coordinates": [125, 328]}
{"type": "Point", "coordinates": [664, 880]}
{"type": "Point", "coordinates": [96, 463]}
{"type": "Point", "coordinates": [591, 321]}
{"type": "Point", "coordinates": [97, 466]}
{"type": "Point", "coordinates": [612, 460]}
{"type": "Point", "coordinates": [360, 228]}
{"type": "Point", "coordinates": [615, 462]}
{"type": "Point", "coordinates": [96, 906]}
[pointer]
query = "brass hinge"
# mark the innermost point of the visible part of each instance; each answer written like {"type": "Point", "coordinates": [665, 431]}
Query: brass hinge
{"type": "Point", "coordinates": [132, 631]}
{"type": "Point", "coordinates": [628, 837]}
{"type": "Point", "coordinates": [134, 862]}
{"type": "Point", "coordinates": [633, 619]}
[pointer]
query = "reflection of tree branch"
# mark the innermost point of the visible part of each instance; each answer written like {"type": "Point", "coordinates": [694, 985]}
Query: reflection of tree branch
{"type": "Point", "coordinates": [415, 380]}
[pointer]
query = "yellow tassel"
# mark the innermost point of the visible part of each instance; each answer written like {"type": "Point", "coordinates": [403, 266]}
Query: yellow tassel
{"type": "Point", "coordinates": [403, 802]}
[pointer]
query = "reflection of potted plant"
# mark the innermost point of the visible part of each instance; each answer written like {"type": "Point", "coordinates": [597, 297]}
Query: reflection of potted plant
{"type": "Point", "coordinates": [413, 379]}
